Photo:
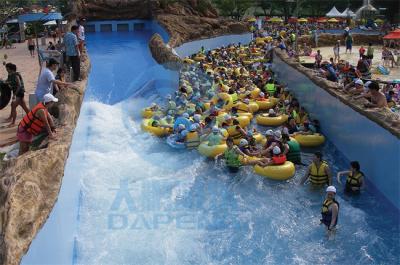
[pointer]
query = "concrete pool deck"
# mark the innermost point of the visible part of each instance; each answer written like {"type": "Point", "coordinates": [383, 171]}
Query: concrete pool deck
{"type": "Point", "coordinates": [327, 52]}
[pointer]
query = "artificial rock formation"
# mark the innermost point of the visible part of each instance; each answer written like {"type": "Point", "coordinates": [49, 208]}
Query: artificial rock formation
{"type": "Point", "coordinates": [325, 39]}
{"type": "Point", "coordinates": [163, 54]}
{"type": "Point", "coordinates": [384, 117]}
{"type": "Point", "coordinates": [29, 184]}
{"type": "Point", "coordinates": [141, 9]}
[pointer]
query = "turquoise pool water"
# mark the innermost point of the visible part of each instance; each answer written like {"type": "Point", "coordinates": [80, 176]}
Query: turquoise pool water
{"type": "Point", "coordinates": [127, 198]}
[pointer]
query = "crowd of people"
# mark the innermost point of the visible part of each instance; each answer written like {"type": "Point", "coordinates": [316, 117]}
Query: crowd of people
{"type": "Point", "coordinates": [217, 89]}
{"type": "Point", "coordinates": [51, 80]}
{"type": "Point", "coordinates": [341, 71]}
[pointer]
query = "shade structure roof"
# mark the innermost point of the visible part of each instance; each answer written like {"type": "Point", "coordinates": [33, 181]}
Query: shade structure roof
{"type": "Point", "coordinates": [393, 35]}
{"type": "Point", "coordinates": [31, 17]}
{"type": "Point", "coordinates": [348, 13]}
{"type": "Point", "coordinates": [333, 13]}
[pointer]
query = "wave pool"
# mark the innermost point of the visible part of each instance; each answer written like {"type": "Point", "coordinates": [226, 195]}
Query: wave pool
{"type": "Point", "coordinates": [128, 198]}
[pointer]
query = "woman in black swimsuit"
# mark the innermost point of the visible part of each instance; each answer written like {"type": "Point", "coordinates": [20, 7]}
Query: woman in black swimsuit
{"type": "Point", "coordinates": [16, 83]}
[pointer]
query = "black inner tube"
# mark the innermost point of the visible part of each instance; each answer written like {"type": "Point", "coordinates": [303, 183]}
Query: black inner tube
{"type": "Point", "coordinates": [5, 95]}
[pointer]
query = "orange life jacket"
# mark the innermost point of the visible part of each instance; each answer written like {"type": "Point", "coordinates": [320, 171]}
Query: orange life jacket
{"type": "Point", "coordinates": [32, 123]}
{"type": "Point", "coordinates": [279, 160]}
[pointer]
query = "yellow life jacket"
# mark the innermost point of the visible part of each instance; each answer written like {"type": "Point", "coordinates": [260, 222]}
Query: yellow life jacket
{"type": "Point", "coordinates": [301, 120]}
{"type": "Point", "coordinates": [325, 205]}
{"type": "Point", "coordinates": [192, 140]}
{"type": "Point", "coordinates": [234, 133]}
{"type": "Point", "coordinates": [318, 175]}
{"type": "Point", "coordinates": [270, 88]}
{"type": "Point", "coordinates": [235, 98]}
{"type": "Point", "coordinates": [354, 181]}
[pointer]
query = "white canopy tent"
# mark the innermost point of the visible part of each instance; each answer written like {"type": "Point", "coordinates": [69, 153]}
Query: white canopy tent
{"type": "Point", "coordinates": [333, 13]}
{"type": "Point", "coordinates": [348, 13]}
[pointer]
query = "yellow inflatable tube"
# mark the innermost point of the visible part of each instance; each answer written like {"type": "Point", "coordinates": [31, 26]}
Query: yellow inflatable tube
{"type": "Point", "coordinates": [276, 172]}
{"type": "Point", "coordinates": [211, 151]}
{"type": "Point", "coordinates": [310, 140]}
{"type": "Point", "coordinates": [188, 61]}
{"type": "Point", "coordinates": [199, 58]}
{"type": "Point", "coordinates": [263, 119]}
{"type": "Point", "coordinates": [157, 131]}
{"type": "Point", "coordinates": [267, 104]}
{"type": "Point", "coordinates": [247, 114]}
{"type": "Point", "coordinates": [255, 92]}
{"type": "Point", "coordinates": [243, 121]}
{"type": "Point", "coordinates": [147, 113]}
{"type": "Point", "coordinates": [246, 159]}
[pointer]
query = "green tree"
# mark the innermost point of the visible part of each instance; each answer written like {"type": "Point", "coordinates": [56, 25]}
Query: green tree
{"type": "Point", "coordinates": [233, 8]}
{"type": "Point", "coordinates": [10, 8]}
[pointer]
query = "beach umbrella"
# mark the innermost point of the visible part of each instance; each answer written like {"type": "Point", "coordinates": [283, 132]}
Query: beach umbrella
{"type": "Point", "coordinates": [333, 20]}
{"type": "Point", "coordinates": [292, 20]}
{"type": "Point", "coordinates": [252, 19]}
{"type": "Point", "coordinates": [379, 21]}
{"type": "Point", "coordinates": [321, 20]}
{"type": "Point", "coordinates": [276, 20]}
{"type": "Point", "coordinates": [302, 20]}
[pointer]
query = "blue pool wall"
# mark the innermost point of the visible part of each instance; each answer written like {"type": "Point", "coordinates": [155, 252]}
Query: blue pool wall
{"type": "Point", "coordinates": [192, 47]}
{"type": "Point", "coordinates": [356, 136]}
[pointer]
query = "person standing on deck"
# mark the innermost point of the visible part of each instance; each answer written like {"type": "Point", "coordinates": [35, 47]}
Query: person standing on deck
{"type": "Point", "coordinates": [81, 34]}
{"type": "Point", "coordinates": [72, 52]}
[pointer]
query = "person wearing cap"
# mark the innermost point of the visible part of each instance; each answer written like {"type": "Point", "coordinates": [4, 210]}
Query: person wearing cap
{"type": "Point", "coordinates": [377, 98]}
{"type": "Point", "coordinates": [330, 210]}
{"type": "Point", "coordinates": [231, 156]}
{"type": "Point", "coordinates": [358, 88]}
{"type": "Point", "coordinates": [277, 158]}
{"type": "Point", "coordinates": [215, 137]}
{"type": "Point", "coordinates": [318, 172]}
{"type": "Point", "coordinates": [192, 139]}
{"type": "Point", "coordinates": [47, 79]}
{"type": "Point", "coordinates": [167, 122]}
{"type": "Point", "coordinates": [154, 121]}
{"type": "Point", "coordinates": [184, 119]}
{"type": "Point", "coordinates": [354, 180]}
{"type": "Point", "coordinates": [273, 139]}
{"type": "Point", "coordinates": [171, 105]}
{"type": "Point", "coordinates": [180, 137]}
{"type": "Point", "coordinates": [235, 131]}
{"type": "Point", "coordinates": [307, 128]}
{"type": "Point", "coordinates": [245, 148]}
{"type": "Point", "coordinates": [36, 121]}
{"type": "Point", "coordinates": [271, 113]}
